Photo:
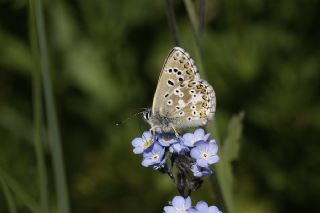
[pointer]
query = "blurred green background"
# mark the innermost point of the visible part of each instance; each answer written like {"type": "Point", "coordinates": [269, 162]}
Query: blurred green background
{"type": "Point", "coordinates": [262, 57]}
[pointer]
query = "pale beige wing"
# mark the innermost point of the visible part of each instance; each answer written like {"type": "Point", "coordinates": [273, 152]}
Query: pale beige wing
{"type": "Point", "coordinates": [193, 103]}
{"type": "Point", "coordinates": [178, 67]}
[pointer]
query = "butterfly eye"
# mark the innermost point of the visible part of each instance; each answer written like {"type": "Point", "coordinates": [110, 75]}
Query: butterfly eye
{"type": "Point", "coordinates": [146, 115]}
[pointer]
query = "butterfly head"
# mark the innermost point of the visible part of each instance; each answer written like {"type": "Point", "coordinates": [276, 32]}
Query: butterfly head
{"type": "Point", "coordinates": [147, 115]}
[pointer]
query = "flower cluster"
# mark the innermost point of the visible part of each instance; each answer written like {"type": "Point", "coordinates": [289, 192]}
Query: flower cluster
{"type": "Point", "coordinates": [181, 204]}
{"type": "Point", "coordinates": [188, 155]}
{"type": "Point", "coordinates": [154, 148]}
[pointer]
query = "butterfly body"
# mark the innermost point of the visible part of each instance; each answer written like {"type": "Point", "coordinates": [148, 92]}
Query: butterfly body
{"type": "Point", "coordinates": [182, 99]}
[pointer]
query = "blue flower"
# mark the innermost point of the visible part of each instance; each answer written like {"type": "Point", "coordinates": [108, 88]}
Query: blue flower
{"type": "Point", "coordinates": [205, 153]}
{"type": "Point", "coordinates": [190, 139]}
{"type": "Point", "coordinates": [213, 141]}
{"type": "Point", "coordinates": [179, 205]}
{"type": "Point", "coordinates": [200, 171]}
{"type": "Point", "coordinates": [178, 147]}
{"type": "Point", "coordinates": [166, 139]}
{"type": "Point", "coordinates": [154, 156]}
{"type": "Point", "coordinates": [141, 144]}
{"type": "Point", "coordinates": [202, 207]}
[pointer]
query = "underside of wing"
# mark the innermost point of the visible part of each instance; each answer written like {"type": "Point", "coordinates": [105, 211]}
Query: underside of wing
{"type": "Point", "coordinates": [178, 67]}
{"type": "Point", "coordinates": [193, 104]}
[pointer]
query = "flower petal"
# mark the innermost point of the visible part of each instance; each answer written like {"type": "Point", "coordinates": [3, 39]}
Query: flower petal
{"type": "Point", "coordinates": [137, 142]}
{"type": "Point", "coordinates": [178, 202]}
{"type": "Point", "coordinates": [193, 210]}
{"type": "Point", "coordinates": [147, 135]}
{"type": "Point", "coordinates": [188, 203]}
{"type": "Point", "coordinates": [213, 159]}
{"type": "Point", "coordinates": [199, 134]}
{"type": "Point", "coordinates": [157, 148]}
{"type": "Point", "coordinates": [188, 139]}
{"type": "Point", "coordinates": [212, 148]}
{"type": "Point", "coordinates": [169, 209]}
{"type": "Point", "coordinates": [206, 171]}
{"type": "Point", "coordinates": [213, 209]}
{"type": "Point", "coordinates": [212, 141]}
{"type": "Point", "coordinates": [202, 206]}
{"type": "Point", "coordinates": [202, 163]}
{"type": "Point", "coordinates": [147, 162]}
{"type": "Point", "coordinates": [138, 150]}
{"type": "Point", "coordinates": [206, 137]}
{"type": "Point", "coordinates": [195, 153]}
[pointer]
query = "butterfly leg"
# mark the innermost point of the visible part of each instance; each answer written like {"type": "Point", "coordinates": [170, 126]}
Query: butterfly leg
{"type": "Point", "coordinates": [152, 130]}
{"type": "Point", "coordinates": [175, 131]}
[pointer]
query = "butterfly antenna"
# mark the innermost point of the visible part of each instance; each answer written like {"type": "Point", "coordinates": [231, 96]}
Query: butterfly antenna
{"type": "Point", "coordinates": [128, 118]}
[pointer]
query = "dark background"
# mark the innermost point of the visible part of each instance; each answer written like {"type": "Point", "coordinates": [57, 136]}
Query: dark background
{"type": "Point", "coordinates": [262, 57]}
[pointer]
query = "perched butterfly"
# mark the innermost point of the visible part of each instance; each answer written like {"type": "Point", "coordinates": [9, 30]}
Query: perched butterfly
{"type": "Point", "coordinates": [181, 99]}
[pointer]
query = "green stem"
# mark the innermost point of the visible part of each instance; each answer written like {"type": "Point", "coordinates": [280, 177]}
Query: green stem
{"type": "Point", "coordinates": [202, 16]}
{"type": "Point", "coordinates": [193, 18]}
{"type": "Point", "coordinates": [37, 113]}
{"type": "Point", "coordinates": [172, 22]}
{"type": "Point", "coordinates": [53, 130]}
{"type": "Point", "coordinates": [196, 31]}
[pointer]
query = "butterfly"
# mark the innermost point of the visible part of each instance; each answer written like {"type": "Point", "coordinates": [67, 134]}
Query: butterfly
{"type": "Point", "coordinates": [182, 99]}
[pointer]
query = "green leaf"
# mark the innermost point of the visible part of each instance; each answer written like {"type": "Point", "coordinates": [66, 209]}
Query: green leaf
{"type": "Point", "coordinates": [52, 120]}
{"type": "Point", "coordinates": [228, 154]}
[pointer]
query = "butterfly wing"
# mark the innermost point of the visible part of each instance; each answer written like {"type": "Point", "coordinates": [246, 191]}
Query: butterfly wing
{"type": "Point", "coordinates": [178, 67]}
{"type": "Point", "coordinates": [194, 104]}
{"type": "Point", "coordinates": [181, 96]}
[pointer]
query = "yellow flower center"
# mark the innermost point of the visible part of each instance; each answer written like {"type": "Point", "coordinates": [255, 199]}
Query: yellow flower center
{"type": "Point", "coordinates": [147, 143]}
{"type": "Point", "coordinates": [205, 155]}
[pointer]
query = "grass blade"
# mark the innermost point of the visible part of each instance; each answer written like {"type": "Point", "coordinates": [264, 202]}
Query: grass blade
{"type": "Point", "coordinates": [37, 113]}
{"type": "Point", "coordinates": [172, 22]}
{"type": "Point", "coordinates": [202, 17]}
{"type": "Point", "coordinates": [195, 23]}
{"type": "Point", "coordinates": [193, 19]}
{"type": "Point", "coordinates": [53, 130]}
